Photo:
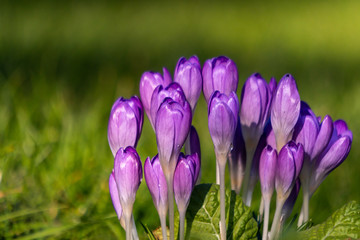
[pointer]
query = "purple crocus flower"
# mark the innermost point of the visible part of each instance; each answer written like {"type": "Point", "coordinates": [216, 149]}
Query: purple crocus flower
{"type": "Point", "coordinates": [267, 171]}
{"type": "Point", "coordinates": [289, 164]}
{"type": "Point", "coordinates": [128, 175]}
{"type": "Point", "coordinates": [125, 123]}
{"type": "Point", "coordinates": [254, 112]}
{"type": "Point", "coordinates": [173, 91]}
{"type": "Point", "coordinates": [188, 75]}
{"type": "Point", "coordinates": [185, 177]}
{"type": "Point", "coordinates": [172, 126]}
{"type": "Point", "coordinates": [334, 154]}
{"type": "Point", "coordinates": [223, 115]}
{"type": "Point", "coordinates": [148, 82]}
{"type": "Point", "coordinates": [285, 110]}
{"type": "Point", "coordinates": [156, 183]}
{"type": "Point", "coordinates": [219, 74]}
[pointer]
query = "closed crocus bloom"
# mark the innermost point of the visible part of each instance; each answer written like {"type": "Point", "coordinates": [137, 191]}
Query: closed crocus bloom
{"type": "Point", "coordinates": [223, 115]}
{"type": "Point", "coordinates": [128, 175]}
{"type": "Point", "coordinates": [173, 121]}
{"type": "Point", "coordinates": [289, 165]}
{"type": "Point", "coordinates": [219, 74]}
{"type": "Point", "coordinates": [185, 177]}
{"type": "Point", "coordinates": [334, 154]}
{"type": "Point", "coordinates": [188, 75]}
{"type": "Point", "coordinates": [267, 171]}
{"type": "Point", "coordinates": [125, 123]}
{"type": "Point", "coordinates": [156, 183]}
{"type": "Point", "coordinates": [272, 85]}
{"type": "Point", "coordinates": [255, 105]}
{"type": "Point", "coordinates": [148, 82]}
{"type": "Point", "coordinates": [285, 110]}
{"type": "Point", "coordinates": [114, 193]}
{"type": "Point", "coordinates": [173, 91]}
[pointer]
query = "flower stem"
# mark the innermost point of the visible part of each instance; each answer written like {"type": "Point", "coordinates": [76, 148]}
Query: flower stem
{"type": "Point", "coordinates": [276, 220]}
{"type": "Point", "coordinates": [182, 223]}
{"type": "Point", "coordinates": [163, 225]}
{"type": "Point", "coordinates": [128, 224]}
{"type": "Point", "coordinates": [221, 165]}
{"type": "Point", "coordinates": [261, 209]}
{"type": "Point", "coordinates": [170, 183]}
{"type": "Point", "coordinates": [249, 158]}
{"type": "Point", "coordinates": [134, 231]}
{"type": "Point", "coordinates": [301, 217]}
{"type": "Point", "coordinates": [306, 199]}
{"type": "Point", "coordinates": [217, 173]}
{"type": "Point", "coordinates": [266, 218]}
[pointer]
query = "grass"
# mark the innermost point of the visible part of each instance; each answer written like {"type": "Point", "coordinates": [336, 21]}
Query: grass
{"type": "Point", "coordinates": [63, 64]}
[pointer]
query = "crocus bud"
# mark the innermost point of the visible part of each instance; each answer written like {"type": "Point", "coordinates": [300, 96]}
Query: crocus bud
{"type": "Point", "coordinates": [223, 115]}
{"type": "Point", "coordinates": [237, 160]}
{"type": "Point", "coordinates": [148, 82]}
{"type": "Point", "coordinates": [114, 193]}
{"type": "Point", "coordinates": [172, 126]}
{"type": "Point", "coordinates": [193, 145]}
{"type": "Point", "coordinates": [272, 85]}
{"type": "Point", "coordinates": [185, 177]}
{"type": "Point", "coordinates": [219, 74]}
{"type": "Point", "coordinates": [156, 183]}
{"type": "Point", "coordinates": [267, 171]}
{"type": "Point", "coordinates": [255, 105]}
{"type": "Point", "coordinates": [188, 75]}
{"type": "Point", "coordinates": [128, 175]}
{"type": "Point", "coordinates": [289, 164]}
{"type": "Point", "coordinates": [173, 91]}
{"type": "Point", "coordinates": [334, 154]}
{"type": "Point", "coordinates": [285, 110]}
{"type": "Point", "coordinates": [125, 123]}
{"type": "Point", "coordinates": [323, 137]}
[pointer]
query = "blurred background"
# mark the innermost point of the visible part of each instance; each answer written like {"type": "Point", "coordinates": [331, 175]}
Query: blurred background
{"type": "Point", "coordinates": [63, 64]}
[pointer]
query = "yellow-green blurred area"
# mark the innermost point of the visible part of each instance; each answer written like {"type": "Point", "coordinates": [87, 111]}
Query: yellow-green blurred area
{"type": "Point", "coordinates": [63, 64]}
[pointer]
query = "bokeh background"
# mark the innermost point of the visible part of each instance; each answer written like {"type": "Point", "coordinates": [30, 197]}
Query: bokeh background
{"type": "Point", "coordinates": [63, 64]}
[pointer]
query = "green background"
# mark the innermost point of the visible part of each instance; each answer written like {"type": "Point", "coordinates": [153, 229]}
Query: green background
{"type": "Point", "coordinates": [63, 64]}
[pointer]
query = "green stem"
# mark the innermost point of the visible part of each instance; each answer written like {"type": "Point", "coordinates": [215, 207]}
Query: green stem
{"type": "Point", "coordinates": [261, 209]}
{"type": "Point", "coordinates": [266, 219]}
{"type": "Point", "coordinates": [276, 220]}
{"type": "Point", "coordinates": [134, 231]}
{"type": "Point", "coordinates": [222, 199]}
{"type": "Point", "coordinates": [306, 199]}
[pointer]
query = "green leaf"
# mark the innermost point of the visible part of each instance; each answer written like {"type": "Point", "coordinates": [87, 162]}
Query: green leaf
{"type": "Point", "coordinates": [344, 223]}
{"type": "Point", "coordinates": [203, 215]}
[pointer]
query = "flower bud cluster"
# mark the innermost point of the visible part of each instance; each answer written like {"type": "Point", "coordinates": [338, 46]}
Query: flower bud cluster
{"type": "Point", "coordinates": [269, 135]}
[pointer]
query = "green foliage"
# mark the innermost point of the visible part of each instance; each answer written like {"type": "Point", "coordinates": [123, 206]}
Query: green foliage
{"type": "Point", "coordinates": [342, 224]}
{"type": "Point", "coordinates": [203, 215]}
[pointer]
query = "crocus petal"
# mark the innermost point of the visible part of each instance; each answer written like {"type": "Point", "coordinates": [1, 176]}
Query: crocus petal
{"type": "Point", "coordinates": [267, 170]}
{"type": "Point", "coordinates": [193, 145]}
{"type": "Point", "coordinates": [323, 137]}
{"type": "Point", "coordinates": [173, 91]}
{"type": "Point", "coordinates": [286, 172]}
{"type": "Point", "coordinates": [188, 75]}
{"type": "Point", "coordinates": [285, 110]}
{"type": "Point", "coordinates": [125, 123]}
{"type": "Point", "coordinates": [128, 174]}
{"type": "Point", "coordinates": [156, 183]}
{"type": "Point", "coordinates": [219, 74]}
{"type": "Point", "coordinates": [183, 181]}
{"type": "Point", "coordinates": [115, 195]}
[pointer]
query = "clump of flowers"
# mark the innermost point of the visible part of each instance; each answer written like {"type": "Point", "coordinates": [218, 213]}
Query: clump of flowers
{"type": "Point", "coordinates": [269, 135]}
